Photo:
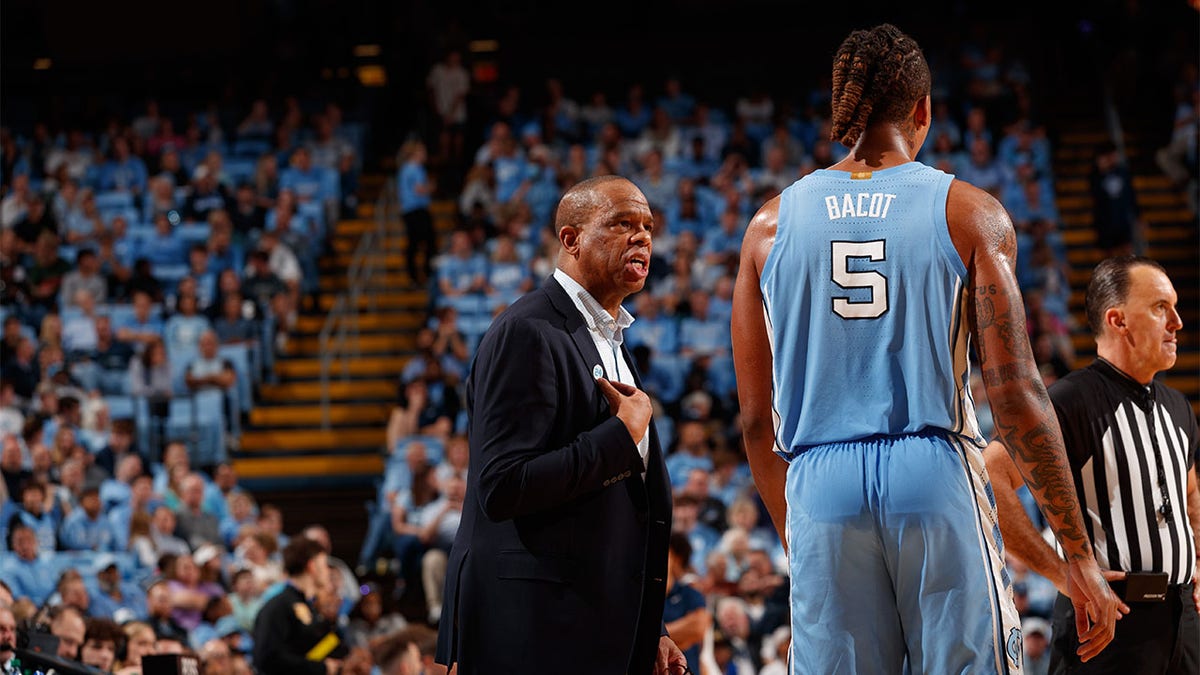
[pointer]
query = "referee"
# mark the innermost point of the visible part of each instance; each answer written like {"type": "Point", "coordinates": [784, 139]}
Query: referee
{"type": "Point", "coordinates": [1132, 444]}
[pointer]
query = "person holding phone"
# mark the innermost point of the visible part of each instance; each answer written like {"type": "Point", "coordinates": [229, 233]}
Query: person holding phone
{"type": "Point", "coordinates": [1132, 443]}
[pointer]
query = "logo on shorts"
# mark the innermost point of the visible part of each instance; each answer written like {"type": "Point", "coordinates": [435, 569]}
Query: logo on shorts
{"type": "Point", "coordinates": [1014, 646]}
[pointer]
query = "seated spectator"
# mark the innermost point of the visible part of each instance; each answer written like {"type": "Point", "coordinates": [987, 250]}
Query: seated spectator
{"type": "Point", "coordinates": [243, 513]}
{"type": "Point", "coordinates": [189, 595]}
{"type": "Point", "coordinates": [269, 292]}
{"type": "Point", "coordinates": [139, 641]}
{"type": "Point", "coordinates": [141, 278]}
{"type": "Point", "coordinates": [67, 623]}
{"type": "Point", "coordinates": [234, 325]}
{"type": "Point", "coordinates": [124, 171]}
{"type": "Point", "coordinates": [203, 274]}
{"type": "Point", "coordinates": [462, 270]}
{"type": "Point", "coordinates": [121, 445]}
{"type": "Point", "coordinates": [207, 194]}
{"type": "Point", "coordinates": [368, 620]}
{"type": "Point", "coordinates": [45, 276]}
{"type": "Point", "coordinates": [100, 640]}
{"type": "Point", "coordinates": [12, 419]}
{"type": "Point", "coordinates": [144, 325]}
{"type": "Point", "coordinates": [245, 597]}
{"type": "Point", "coordinates": [508, 277]}
{"type": "Point", "coordinates": [692, 450]}
{"type": "Point", "coordinates": [164, 248]}
{"type": "Point", "coordinates": [685, 614]}
{"type": "Point", "coordinates": [309, 182]}
{"type": "Point", "coordinates": [194, 525]}
{"type": "Point", "coordinates": [439, 521]}
{"type": "Point", "coordinates": [12, 468]}
{"type": "Point", "coordinates": [22, 370]}
{"type": "Point", "coordinates": [247, 213]}
{"type": "Point", "coordinates": [182, 330]}
{"type": "Point", "coordinates": [86, 528]}
{"type": "Point", "coordinates": [25, 570]}
{"type": "Point", "coordinates": [115, 597]}
{"type": "Point", "coordinates": [109, 358]}
{"type": "Point", "coordinates": [256, 551]}
{"type": "Point", "coordinates": [160, 612]}
{"type": "Point", "coordinates": [33, 508]}
{"type": "Point", "coordinates": [79, 330]}
{"type": "Point", "coordinates": [428, 405]}
{"type": "Point", "coordinates": [86, 276]}
{"type": "Point", "coordinates": [163, 537]}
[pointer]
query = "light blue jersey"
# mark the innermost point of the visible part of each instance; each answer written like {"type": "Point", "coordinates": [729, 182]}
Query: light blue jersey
{"type": "Point", "coordinates": [865, 301]}
{"type": "Point", "coordinates": [901, 565]}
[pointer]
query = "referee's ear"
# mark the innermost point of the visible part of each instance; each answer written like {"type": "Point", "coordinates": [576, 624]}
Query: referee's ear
{"type": "Point", "coordinates": [1114, 320]}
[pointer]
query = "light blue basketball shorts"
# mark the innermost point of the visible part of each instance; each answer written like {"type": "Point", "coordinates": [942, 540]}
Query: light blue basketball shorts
{"type": "Point", "coordinates": [896, 561]}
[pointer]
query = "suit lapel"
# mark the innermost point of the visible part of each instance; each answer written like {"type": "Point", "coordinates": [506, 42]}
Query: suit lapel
{"type": "Point", "coordinates": [575, 325]}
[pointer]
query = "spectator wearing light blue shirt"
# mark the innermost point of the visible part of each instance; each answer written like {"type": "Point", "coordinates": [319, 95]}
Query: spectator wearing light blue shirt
{"type": "Point", "coordinates": [309, 182]}
{"type": "Point", "coordinates": [25, 570]}
{"type": "Point", "coordinates": [125, 171]}
{"type": "Point", "coordinates": [463, 270]}
{"type": "Point", "coordinates": [86, 528]}
{"type": "Point", "coordinates": [164, 247]}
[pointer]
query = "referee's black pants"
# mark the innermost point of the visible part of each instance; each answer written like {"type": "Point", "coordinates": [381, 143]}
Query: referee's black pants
{"type": "Point", "coordinates": [1155, 638]}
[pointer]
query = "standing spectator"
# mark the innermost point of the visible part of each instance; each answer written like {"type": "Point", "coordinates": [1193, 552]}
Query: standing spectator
{"type": "Point", "coordinates": [414, 191]}
{"type": "Point", "coordinates": [151, 378]}
{"type": "Point", "coordinates": [1116, 216]}
{"type": "Point", "coordinates": [208, 370]}
{"type": "Point", "coordinates": [448, 84]}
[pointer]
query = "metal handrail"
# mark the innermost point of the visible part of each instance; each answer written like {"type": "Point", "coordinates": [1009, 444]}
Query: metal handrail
{"type": "Point", "coordinates": [341, 327]}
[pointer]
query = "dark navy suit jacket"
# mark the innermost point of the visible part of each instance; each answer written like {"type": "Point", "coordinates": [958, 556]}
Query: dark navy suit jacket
{"type": "Point", "coordinates": [560, 561]}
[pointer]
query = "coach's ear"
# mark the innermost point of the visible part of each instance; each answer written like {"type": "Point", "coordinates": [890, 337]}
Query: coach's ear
{"type": "Point", "coordinates": [568, 236]}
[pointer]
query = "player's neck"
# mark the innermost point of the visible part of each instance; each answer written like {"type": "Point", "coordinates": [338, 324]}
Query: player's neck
{"type": "Point", "coordinates": [879, 147]}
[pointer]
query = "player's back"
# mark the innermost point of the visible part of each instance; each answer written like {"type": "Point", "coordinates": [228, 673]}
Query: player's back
{"type": "Point", "coordinates": [864, 294]}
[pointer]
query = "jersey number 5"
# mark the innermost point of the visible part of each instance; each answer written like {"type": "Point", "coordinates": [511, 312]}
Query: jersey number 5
{"type": "Point", "coordinates": [843, 277]}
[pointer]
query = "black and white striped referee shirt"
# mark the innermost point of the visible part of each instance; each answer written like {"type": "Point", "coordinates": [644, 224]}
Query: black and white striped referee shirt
{"type": "Point", "coordinates": [1130, 448]}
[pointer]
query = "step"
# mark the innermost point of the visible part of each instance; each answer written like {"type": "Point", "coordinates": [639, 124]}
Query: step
{"type": "Point", "coordinates": [339, 390]}
{"type": "Point", "coordinates": [315, 466]}
{"type": "Point", "coordinates": [293, 415]}
{"type": "Point", "coordinates": [394, 299]}
{"type": "Point", "coordinates": [284, 440]}
{"type": "Point", "coordinates": [1152, 182]}
{"type": "Point", "coordinates": [1159, 199]}
{"type": "Point", "coordinates": [389, 281]}
{"type": "Point", "coordinates": [367, 343]}
{"type": "Point", "coordinates": [300, 368]}
{"type": "Point", "coordinates": [367, 322]}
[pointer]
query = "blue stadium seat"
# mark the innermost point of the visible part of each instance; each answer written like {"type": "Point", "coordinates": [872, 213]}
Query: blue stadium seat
{"type": "Point", "coordinates": [240, 169]}
{"type": "Point", "coordinates": [250, 148]}
{"type": "Point", "coordinates": [121, 407]}
{"type": "Point", "coordinates": [114, 199]}
{"type": "Point", "coordinates": [194, 233]}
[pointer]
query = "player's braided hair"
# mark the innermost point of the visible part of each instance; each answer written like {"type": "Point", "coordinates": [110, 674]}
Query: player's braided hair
{"type": "Point", "coordinates": [878, 75]}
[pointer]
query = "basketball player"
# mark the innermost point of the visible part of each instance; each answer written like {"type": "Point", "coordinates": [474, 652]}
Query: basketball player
{"type": "Point", "coordinates": [859, 289]}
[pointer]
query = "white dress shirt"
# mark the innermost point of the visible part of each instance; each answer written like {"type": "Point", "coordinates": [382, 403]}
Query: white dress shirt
{"type": "Point", "coordinates": [607, 333]}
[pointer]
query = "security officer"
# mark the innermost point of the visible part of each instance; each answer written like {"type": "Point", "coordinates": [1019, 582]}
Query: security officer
{"type": "Point", "coordinates": [290, 638]}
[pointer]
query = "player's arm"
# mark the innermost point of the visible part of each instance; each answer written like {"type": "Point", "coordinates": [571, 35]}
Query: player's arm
{"type": "Point", "coordinates": [752, 366]}
{"type": "Point", "coordinates": [1024, 418]}
{"type": "Point", "coordinates": [1021, 538]}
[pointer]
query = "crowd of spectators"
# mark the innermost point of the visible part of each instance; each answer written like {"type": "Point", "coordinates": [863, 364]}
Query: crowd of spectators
{"type": "Point", "coordinates": [137, 259]}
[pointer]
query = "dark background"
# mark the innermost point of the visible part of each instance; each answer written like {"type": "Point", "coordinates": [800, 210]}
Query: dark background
{"type": "Point", "coordinates": [106, 58]}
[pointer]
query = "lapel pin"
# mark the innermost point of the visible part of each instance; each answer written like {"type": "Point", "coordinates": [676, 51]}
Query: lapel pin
{"type": "Point", "coordinates": [597, 371]}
